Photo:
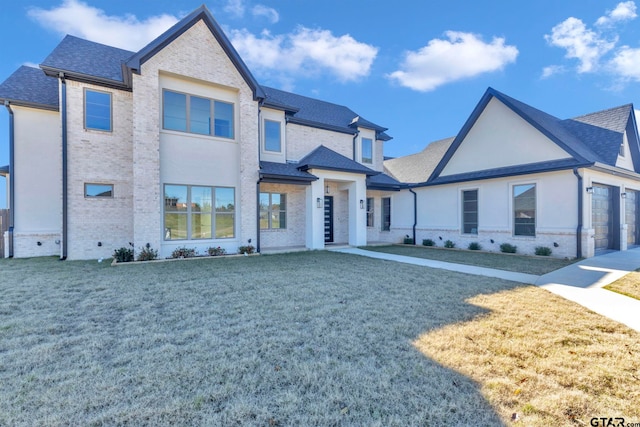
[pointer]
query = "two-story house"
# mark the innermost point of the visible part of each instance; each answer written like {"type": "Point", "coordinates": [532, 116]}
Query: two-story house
{"type": "Point", "coordinates": [178, 145]}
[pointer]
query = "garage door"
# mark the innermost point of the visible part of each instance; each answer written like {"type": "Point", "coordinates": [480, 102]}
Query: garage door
{"type": "Point", "coordinates": [602, 216]}
{"type": "Point", "coordinates": [631, 217]}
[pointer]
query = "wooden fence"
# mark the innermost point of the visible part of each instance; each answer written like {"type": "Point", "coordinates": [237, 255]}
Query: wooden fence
{"type": "Point", "coordinates": [4, 225]}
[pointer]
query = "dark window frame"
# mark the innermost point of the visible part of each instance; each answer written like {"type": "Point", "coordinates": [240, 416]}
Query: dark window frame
{"type": "Point", "coordinates": [282, 213]}
{"type": "Point", "coordinates": [98, 195]}
{"type": "Point", "coordinates": [189, 120]}
{"type": "Point", "coordinates": [88, 108]}
{"type": "Point", "coordinates": [469, 215]}
{"type": "Point", "coordinates": [386, 214]}
{"type": "Point", "coordinates": [524, 217]}
{"type": "Point", "coordinates": [370, 212]}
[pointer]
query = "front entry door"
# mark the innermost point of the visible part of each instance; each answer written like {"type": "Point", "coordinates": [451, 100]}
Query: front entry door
{"type": "Point", "coordinates": [328, 219]}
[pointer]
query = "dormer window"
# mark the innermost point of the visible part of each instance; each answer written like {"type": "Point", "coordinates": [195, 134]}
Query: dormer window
{"type": "Point", "coordinates": [367, 150]}
{"type": "Point", "coordinates": [621, 152]}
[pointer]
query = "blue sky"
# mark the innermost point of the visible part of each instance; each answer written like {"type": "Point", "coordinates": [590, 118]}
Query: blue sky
{"type": "Point", "coordinates": [416, 67]}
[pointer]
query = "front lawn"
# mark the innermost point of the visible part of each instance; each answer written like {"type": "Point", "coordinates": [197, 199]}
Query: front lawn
{"type": "Point", "coordinates": [628, 285]}
{"type": "Point", "coordinates": [313, 338]}
{"type": "Point", "coordinates": [500, 261]}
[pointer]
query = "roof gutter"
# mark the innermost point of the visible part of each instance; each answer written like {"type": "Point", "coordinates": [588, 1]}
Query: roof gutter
{"type": "Point", "coordinates": [580, 213]}
{"type": "Point", "coordinates": [65, 213]}
{"type": "Point", "coordinates": [12, 178]}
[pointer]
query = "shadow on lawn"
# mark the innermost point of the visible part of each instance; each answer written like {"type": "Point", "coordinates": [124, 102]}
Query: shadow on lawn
{"type": "Point", "coordinates": [314, 338]}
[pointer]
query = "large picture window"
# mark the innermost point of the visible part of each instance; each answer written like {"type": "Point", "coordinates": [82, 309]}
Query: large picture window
{"type": "Point", "coordinates": [386, 213]}
{"type": "Point", "coordinates": [369, 211]}
{"type": "Point", "coordinates": [272, 137]}
{"type": "Point", "coordinates": [189, 212]}
{"type": "Point", "coordinates": [524, 210]}
{"type": "Point", "coordinates": [470, 212]}
{"type": "Point", "coordinates": [273, 211]}
{"type": "Point", "coordinates": [97, 110]}
{"type": "Point", "coordinates": [194, 114]}
{"type": "Point", "coordinates": [367, 150]}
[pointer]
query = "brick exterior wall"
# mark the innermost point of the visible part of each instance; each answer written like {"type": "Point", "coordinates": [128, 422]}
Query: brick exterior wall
{"type": "Point", "coordinates": [301, 140]}
{"type": "Point", "coordinates": [294, 233]}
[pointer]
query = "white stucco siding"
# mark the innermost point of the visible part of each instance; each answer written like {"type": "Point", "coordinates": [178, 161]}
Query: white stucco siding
{"type": "Point", "coordinates": [38, 182]}
{"type": "Point", "coordinates": [196, 64]}
{"type": "Point", "coordinates": [625, 161]}
{"type": "Point", "coordinates": [98, 226]}
{"type": "Point", "coordinates": [440, 213]}
{"type": "Point", "coordinates": [301, 140]}
{"type": "Point", "coordinates": [500, 130]}
{"type": "Point", "coordinates": [277, 116]}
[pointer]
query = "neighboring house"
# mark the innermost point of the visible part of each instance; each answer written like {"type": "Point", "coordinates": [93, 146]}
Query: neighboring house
{"type": "Point", "coordinates": [178, 145]}
{"type": "Point", "coordinates": [517, 175]}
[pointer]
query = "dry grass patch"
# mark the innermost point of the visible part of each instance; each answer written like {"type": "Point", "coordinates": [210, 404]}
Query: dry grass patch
{"type": "Point", "coordinates": [544, 358]}
{"type": "Point", "coordinates": [518, 263]}
{"type": "Point", "coordinates": [629, 285]}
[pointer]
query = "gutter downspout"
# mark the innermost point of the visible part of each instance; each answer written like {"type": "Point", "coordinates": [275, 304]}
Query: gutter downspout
{"type": "Point", "coordinates": [355, 136]}
{"type": "Point", "coordinates": [258, 182]}
{"type": "Point", "coordinates": [415, 213]}
{"type": "Point", "coordinates": [580, 214]}
{"type": "Point", "coordinates": [12, 179]}
{"type": "Point", "coordinates": [65, 212]}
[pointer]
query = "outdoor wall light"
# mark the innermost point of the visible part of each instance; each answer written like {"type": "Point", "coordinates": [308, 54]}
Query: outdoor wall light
{"type": "Point", "coordinates": [319, 202]}
{"type": "Point", "coordinates": [361, 204]}
{"type": "Point", "coordinates": [326, 189]}
{"type": "Point", "coordinates": [623, 195]}
{"type": "Point", "coordinates": [99, 243]}
{"type": "Point", "coordinates": [39, 243]}
{"type": "Point", "coordinates": [590, 190]}
{"type": "Point", "coordinates": [555, 244]}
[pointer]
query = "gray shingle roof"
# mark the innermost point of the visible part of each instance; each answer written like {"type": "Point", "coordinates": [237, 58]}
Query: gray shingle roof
{"type": "Point", "coordinates": [284, 171]}
{"type": "Point", "coordinates": [4, 170]}
{"type": "Point", "coordinates": [30, 86]}
{"type": "Point", "coordinates": [324, 158]}
{"type": "Point", "coordinates": [310, 111]}
{"type": "Point", "coordinates": [418, 167]}
{"type": "Point", "coordinates": [382, 181]}
{"type": "Point", "coordinates": [76, 55]}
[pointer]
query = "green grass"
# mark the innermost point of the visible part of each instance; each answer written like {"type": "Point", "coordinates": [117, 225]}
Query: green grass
{"type": "Point", "coordinates": [311, 338]}
{"type": "Point", "coordinates": [522, 264]}
{"type": "Point", "coordinates": [628, 285]}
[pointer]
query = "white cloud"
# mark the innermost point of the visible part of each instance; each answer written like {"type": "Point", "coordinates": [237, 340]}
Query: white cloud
{"type": "Point", "coordinates": [235, 8]}
{"type": "Point", "coordinates": [626, 63]}
{"type": "Point", "coordinates": [78, 18]}
{"type": "Point", "coordinates": [461, 55]}
{"type": "Point", "coordinates": [580, 43]}
{"type": "Point", "coordinates": [268, 12]}
{"type": "Point", "coordinates": [305, 51]}
{"type": "Point", "coordinates": [624, 11]}
{"type": "Point", "coordinates": [552, 70]}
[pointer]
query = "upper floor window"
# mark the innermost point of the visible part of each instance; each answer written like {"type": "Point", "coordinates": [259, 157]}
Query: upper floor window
{"type": "Point", "coordinates": [470, 212]}
{"type": "Point", "coordinates": [524, 210]}
{"type": "Point", "coordinates": [367, 150]}
{"type": "Point", "coordinates": [272, 138]}
{"type": "Point", "coordinates": [97, 110]}
{"type": "Point", "coordinates": [194, 114]}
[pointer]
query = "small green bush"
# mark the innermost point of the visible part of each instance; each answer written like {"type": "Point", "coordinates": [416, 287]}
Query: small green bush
{"type": "Point", "coordinates": [147, 253]}
{"type": "Point", "coordinates": [216, 251]}
{"type": "Point", "coordinates": [543, 251]}
{"type": "Point", "coordinates": [248, 249]}
{"type": "Point", "coordinates": [428, 242]}
{"type": "Point", "coordinates": [475, 246]}
{"type": "Point", "coordinates": [449, 244]}
{"type": "Point", "coordinates": [408, 240]}
{"type": "Point", "coordinates": [184, 252]}
{"type": "Point", "coordinates": [508, 248]}
{"type": "Point", "coordinates": [123, 254]}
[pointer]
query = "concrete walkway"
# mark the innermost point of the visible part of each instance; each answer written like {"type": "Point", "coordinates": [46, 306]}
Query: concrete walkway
{"type": "Point", "coordinates": [580, 282]}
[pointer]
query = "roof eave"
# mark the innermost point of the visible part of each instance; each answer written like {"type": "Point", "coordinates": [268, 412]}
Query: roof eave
{"type": "Point", "coordinates": [601, 167]}
{"type": "Point", "coordinates": [36, 105]}
{"type": "Point", "coordinates": [329, 168]}
{"type": "Point", "coordinates": [318, 125]}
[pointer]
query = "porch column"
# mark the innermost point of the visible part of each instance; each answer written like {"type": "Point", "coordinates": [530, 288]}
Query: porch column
{"type": "Point", "coordinates": [358, 216]}
{"type": "Point", "coordinates": [315, 215]}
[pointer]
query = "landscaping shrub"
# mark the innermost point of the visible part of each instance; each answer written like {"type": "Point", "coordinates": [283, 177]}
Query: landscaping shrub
{"type": "Point", "coordinates": [184, 252]}
{"type": "Point", "coordinates": [428, 242]}
{"type": "Point", "coordinates": [475, 246]}
{"type": "Point", "coordinates": [147, 253]}
{"type": "Point", "coordinates": [508, 248]}
{"type": "Point", "coordinates": [543, 251]}
{"type": "Point", "coordinates": [248, 249]}
{"type": "Point", "coordinates": [123, 254]}
{"type": "Point", "coordinates": [449, 244]}
{"type": "Point", "coordinates": [408, 240]}
{"type": "Point", "coordinates": [216, 251]}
